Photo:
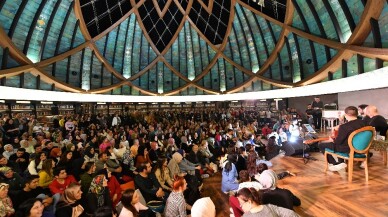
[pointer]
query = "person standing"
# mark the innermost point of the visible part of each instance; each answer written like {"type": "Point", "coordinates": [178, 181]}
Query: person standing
{"type": "Point", "coordinates": [317, 105]}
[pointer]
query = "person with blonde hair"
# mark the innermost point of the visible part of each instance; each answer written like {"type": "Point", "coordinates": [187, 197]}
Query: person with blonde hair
{"type": "Point", "coordinates": [69, 204]}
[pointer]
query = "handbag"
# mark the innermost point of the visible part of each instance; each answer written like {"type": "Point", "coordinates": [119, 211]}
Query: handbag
{"type": "Point", "coordinates": [156, 206]}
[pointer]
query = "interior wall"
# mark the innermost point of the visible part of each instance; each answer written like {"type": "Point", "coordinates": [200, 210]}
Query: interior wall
{"type": "Point", "coordinates": [377, 97]}
{"type": "Point", "coordinates": [300, 103]}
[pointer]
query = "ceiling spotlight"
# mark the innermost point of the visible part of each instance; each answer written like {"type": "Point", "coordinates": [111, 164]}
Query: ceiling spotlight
{"type": "Point", "coordinates": [308, 61]}
{"type": "Point", "coordinates": [286, 67]}
{"type": "Point", "coordinates": [74, 72]}
{"type": "Point", "coordinates": [215, 80]}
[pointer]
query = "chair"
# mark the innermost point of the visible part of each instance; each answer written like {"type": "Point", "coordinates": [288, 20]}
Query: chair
{"type": "Point", "coordinates": [359, 143]}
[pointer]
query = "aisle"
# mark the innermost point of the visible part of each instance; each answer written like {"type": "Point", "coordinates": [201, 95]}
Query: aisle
{"type": "Point", "coordinates": [323, 194]}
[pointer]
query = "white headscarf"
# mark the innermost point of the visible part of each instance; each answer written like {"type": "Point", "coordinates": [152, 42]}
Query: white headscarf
{"type": "Point", "coordinates": [203, 207]}
{"type": "Point", "coordinates": [268, 178]}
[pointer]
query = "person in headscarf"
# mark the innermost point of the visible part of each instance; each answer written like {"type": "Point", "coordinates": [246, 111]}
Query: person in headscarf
{"type": "Point", "coordinates": [272, 194]}
{"type": "Point", "coordinates": [98, 195]}
{"type": "Point", "coordinates": [13, 179]}
{"type": "Point", "coordinates": [203, 207]}
{"type": "Point", "coordinates": [69, 204]}
{"type": "Point", "coordinates": [6, 208]}
{"type": "Point", "coordinates": [90, 155]}
{"type": "Point", "coordinates": [8, 151]}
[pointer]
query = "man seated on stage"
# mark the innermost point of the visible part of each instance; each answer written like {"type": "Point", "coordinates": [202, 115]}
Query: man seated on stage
{"type": "Point", "coordinates": [340, 144]}
{"type": "Point", "coordinates": [377, 121]}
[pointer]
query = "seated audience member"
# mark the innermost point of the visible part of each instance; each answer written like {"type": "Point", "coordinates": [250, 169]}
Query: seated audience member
{"type": "Point", "coordinates": [128, 163]}
{"type": "Point", "coordinates": [245, 182]}
{"type": "Point", "coordinates": [266, 130]}
{"type": "Point", "coordinates": [30, 207]}
{"type": "Point", "coordinates": [87, 177]}
{"type": "Point", "coordinates": [4, 162]}
{"type": "Point", "coordinates": [46, 173]}
{"type": "Point", "coordinates": [6, 207]}
{"type": "Point", "coordinates": [241, 163]}
{"type": "Point", "coordinates": [377, 121]}
{"type": "Point", "coordinates": [176, 204]}
{"type": "Point", "coordinates": [29, 147]}
{"type": "Point", "coordinates": [8, 151]}
{"type": "Point", "coordinates": [162, 173]}
{"type": "Point", "coordinates": [98, 195]}
{"type": "Point", "coordinates": [32, 190]}
{"type": "Point", "coordinates": [362, 113]}
{"type": "Point", "coordinates": [148, 184]}
{"type": "Point", "coordinates": [106, 143]}
{"type": "Point", "coordinates": [131, 206]}
{"type": "Point", "coordinates": [273, 194]}
{"type": "Point", "coordinates": [113, 186]}
{"type": "Point", "coordinates": [56, 154]}
{"type": "Point", "coordinates": [272, 149]}
{"type": "Point", "coordinates": [36, 165]}
{"type": "Point", "coordinates": [171, 148]}
{"type": "Point", "coordinates": [250, 201]}
{"type": "Point", "coordinates": [14, 180]}
{"type": "Point", "coordinates": [66, 161]}
{"type": "Point", "coordinates": [61, 181]}
{"type": "Point", "coordinates": [48, 146]}
{"type": "Point", "coordinates": [203, 207]}
{"type": "Point", "coordinates": [103, 162]}
{"type": "Point", "coordinates": [229, 175]}
{"type": "Point", "coordinates": [188, 167]}
{"type": "Point", "coordinates": [142, 156]}
{"type": "Point", "coordinates": [154, 152]}
{"type": "Point", "coordinates": [69, 203]}
{"type": "Point", "coordinates": [205, 151]}
{"type": "Point", "coordinates": [340, 144]}
{"type": "Point", "coordinates": [195, 157]}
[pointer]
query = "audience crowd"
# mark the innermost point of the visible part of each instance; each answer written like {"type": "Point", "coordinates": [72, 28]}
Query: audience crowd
{"type": "Point", "coordinates": [142, 164]}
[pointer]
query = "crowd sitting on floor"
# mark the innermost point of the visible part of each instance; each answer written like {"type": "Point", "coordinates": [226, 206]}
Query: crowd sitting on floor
{"type": "Point", "coordinates": [141, 164]}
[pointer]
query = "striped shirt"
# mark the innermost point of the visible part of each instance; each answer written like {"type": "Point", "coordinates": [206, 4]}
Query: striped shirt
{"type": "Point", "coordinates": [176, 205]}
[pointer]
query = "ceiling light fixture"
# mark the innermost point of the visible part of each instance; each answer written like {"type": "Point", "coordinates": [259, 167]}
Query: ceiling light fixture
{"type": "Point", "coordinates": [23, 102]}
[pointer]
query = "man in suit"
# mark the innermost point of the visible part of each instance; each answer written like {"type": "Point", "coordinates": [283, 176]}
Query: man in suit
{"type": "Point", "coordinates": [340, 144]}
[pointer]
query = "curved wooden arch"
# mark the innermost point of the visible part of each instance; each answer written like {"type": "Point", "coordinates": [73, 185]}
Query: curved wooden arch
{"type": "Point", "coordinates": [372, 10]}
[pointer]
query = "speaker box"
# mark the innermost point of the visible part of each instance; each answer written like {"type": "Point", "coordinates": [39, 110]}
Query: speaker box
{"type": "Point", "coordinates": [54, 110]}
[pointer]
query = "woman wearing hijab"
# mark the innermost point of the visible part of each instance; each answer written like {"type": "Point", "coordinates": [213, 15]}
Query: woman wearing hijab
{"type": "Point", "coordinates": [90, 155]}
{"type": "Point", "coordinates": [98, 195]}
{"type": "Point", "coordinates": [273, 194]}
{"type": "Point", "coordinates": [6, 208]}
{"type": "Point", "coordinates": [69, 204]}
{"type": "Point", "coordinates": [203, 207]}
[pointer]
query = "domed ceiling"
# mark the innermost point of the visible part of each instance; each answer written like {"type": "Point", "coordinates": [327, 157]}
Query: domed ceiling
{"type": "Point", "coordinates": [188, 47]}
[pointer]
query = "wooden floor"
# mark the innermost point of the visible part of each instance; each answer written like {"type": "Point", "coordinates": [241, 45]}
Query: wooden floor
{"type": "Point", "coordinates": [322, 194]}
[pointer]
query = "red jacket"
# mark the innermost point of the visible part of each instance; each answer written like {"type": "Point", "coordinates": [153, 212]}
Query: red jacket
{"type": "Point", "coordinates": [56, 187]}
{"type": "Point", "coordinates": [114, 188]}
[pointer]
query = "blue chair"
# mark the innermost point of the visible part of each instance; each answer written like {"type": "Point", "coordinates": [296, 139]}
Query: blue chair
{"type": "Point", "coordinates": [359, 143]}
